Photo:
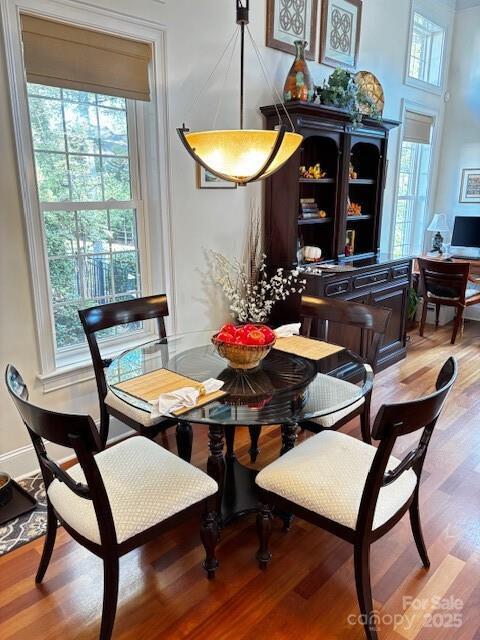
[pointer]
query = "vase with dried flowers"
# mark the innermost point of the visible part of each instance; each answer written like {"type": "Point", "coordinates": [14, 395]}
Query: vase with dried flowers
{"type": "Point", "coordinates": [250, 291]}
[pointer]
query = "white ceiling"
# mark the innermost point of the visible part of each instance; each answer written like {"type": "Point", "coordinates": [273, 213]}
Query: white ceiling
{"type": "Point", "coordinates": [466, 4]}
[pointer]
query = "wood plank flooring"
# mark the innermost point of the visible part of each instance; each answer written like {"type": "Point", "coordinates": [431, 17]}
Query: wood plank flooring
{"type": "Point", "coordinates": [308, 590]}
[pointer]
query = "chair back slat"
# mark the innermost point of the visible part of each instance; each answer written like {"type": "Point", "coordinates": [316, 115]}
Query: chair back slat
{"type": "Point", "coordinates": [443, 279]}
{"type": "Point", "coordinates": [371, 321]}
{"type": "Point", "coordinates": [396, 420]}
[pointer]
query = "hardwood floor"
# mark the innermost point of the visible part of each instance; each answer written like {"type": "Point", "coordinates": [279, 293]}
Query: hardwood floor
{"type": "Point", "coordinates": [308, 590]}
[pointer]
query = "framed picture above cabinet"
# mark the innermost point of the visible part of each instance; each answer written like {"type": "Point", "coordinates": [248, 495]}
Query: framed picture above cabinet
{"type": "Point", "coordinates": [340, 33]}
{"type": "Point", "coordinates": [470, 187]}
{"type": "Point", "coordinates": [290, 20]}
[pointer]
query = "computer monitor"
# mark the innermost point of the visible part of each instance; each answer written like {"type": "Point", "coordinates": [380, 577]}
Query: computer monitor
{"type": "Point", "coordinates": [466, 235]}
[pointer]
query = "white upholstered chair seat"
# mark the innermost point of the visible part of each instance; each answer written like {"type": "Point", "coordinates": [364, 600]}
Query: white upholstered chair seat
{"type": "Point", "coordinates": [145, 484]}
{"type": "Point", "coordinates": [337, 392]}
{"type": "Point", "coordinates": [139, 415]}
{"type": "Point", "coordinates": [326, 474]}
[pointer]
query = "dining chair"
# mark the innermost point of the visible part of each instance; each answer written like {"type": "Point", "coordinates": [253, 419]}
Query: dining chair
{"type": "Point", "coordinates": [116, 499]}
{"type": "Point", "coordinates": [354, 490]}
{"type": "Point", "coordinates": [446, 283]}
{"type": "Point", "coordinates": [106, 316]}
{"type": "Point", "coordinates": [372, 322]}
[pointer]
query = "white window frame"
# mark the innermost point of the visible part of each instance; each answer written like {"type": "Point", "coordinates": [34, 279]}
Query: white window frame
{"type": "Point", "coordinates": [424, 8]}
{"type": "Point", "coordinates": [153, 226]}
{"type": "Point", "coordinates": [434, 150]}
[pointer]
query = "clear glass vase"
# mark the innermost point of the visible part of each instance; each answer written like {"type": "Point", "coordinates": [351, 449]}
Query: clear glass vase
{"type": "Point", "coordinates": [299, 84]}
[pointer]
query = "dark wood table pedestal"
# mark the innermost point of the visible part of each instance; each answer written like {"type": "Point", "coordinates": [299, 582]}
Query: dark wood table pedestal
{"type": "Point", "coordinates": [237, 494]}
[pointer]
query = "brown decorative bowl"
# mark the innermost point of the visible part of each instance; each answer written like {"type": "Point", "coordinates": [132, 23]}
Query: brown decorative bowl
{"type": "Point", "coordinates": [242, 356]}
{"type": "Point", "coordinates": [6, 490]}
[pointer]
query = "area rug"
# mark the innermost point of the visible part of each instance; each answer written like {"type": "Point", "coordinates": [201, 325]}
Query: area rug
{"type": "Point", "coordinates": [32, 525]}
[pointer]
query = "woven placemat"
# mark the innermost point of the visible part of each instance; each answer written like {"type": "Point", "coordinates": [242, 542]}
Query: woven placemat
{"type": "Point", "coordinates": [150, 386]}
{"type": "Point", "coordinates": [307, 347]}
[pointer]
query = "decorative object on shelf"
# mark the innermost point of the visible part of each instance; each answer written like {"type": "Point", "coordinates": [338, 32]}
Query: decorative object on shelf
{"type": "Point", "coordinates": [340, 35]}
{"type": "Point", "coordinates": [207, 180]}
{"type": "Point", "coordinates": [350, 242]}
{"type": "Point", "coordinates": [309, 208]}
{"type": "Point", "coordinates": [312, 254]}
{"type": "Point", "coordinates": [370, 86]}
{"type": "Point", "coordinates": [241, 155]}
{"type": "Point", "coordinates": [352, 174]}
{"type": "Point", "coordinates": [314, 172]}
{"type": "Point", "coordinates": [353, 209]}
{"type": "Point", "coordinates": [299, 84]}
{"type": "Point", "coordinates": [470, 187]}
{"type": "Point", "coordinates": [341, 90]}
{"type": "Point", "coordinates": [439, 225]}
{"type": "Point", "coordinates": [250, 292]}
{"type": "Point", "coordinates": [288, 21]}
{"type": "Point", "coordinates": [244, 346]}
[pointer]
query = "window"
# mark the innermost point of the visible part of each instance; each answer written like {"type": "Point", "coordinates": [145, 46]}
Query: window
{"type": "Point", "coordinates": [84, 149]}
{"type": "Point", "coordinates": [413, 182]}
{"type": "Point", "coordinates": [427, 43]}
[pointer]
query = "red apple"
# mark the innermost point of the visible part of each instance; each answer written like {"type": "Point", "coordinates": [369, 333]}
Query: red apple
{"type": "Point", "coordinates": [228, 328]}
{"type": "Point", "coordinates": [224, 336]}
{"type": "Point", "coordinates": [268, 333]}
{"type": "Point", "coordinates": [255, 337]}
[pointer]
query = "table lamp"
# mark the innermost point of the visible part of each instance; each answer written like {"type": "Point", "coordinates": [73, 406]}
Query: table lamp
{"type": "Point", "coordinates": [438, 224]}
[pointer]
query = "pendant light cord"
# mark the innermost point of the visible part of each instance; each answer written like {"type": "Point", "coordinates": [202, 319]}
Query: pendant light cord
{"type": "Point", "coordinates": [227, 73]}
{"type": "Point", "coordinates": [272, 88]}
{"type": "Point", "coordinates": [207, 81]}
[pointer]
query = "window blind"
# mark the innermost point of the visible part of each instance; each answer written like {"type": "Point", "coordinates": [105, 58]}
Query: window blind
{"type": "Point", "coordinates": [418, 127]}
{"type": "Point", "coordinates": [62, 55]}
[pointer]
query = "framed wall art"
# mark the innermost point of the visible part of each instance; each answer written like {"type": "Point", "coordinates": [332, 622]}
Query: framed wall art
{"type": "Point", "coordinates": [340, 33]}
{"type": "Point", "coordinates": [470, 187]}
{"type": "Point", "coordinates": [290, 20]}
{"type": "Point", "coordinates": [206, 180]}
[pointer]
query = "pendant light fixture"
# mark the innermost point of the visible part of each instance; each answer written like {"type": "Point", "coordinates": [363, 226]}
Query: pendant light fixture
{"type": "Point", "coordinates": [242, 155]}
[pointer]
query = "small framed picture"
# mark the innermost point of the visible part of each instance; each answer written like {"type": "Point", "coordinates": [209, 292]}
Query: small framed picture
{"type": "Point", "coordinates": [340, 36]}
{"type": "Point", "coordinates": [470, 187]}
{"type": "Point", "coordinates": [207, 180]}
{"type": "Point", "coordinates": [290, 20]}
{"type": "Point", "coordinates": [350, 242]}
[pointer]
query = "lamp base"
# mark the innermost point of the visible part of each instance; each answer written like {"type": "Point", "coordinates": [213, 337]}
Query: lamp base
{"type": "Point", "coordinates": [437, 244]}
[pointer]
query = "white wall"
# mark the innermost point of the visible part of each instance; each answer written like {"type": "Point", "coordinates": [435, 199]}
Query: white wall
{"type": "Point", "coordinates": [196, 34]}
{"type": "Point", "coordinates": [461, 136]}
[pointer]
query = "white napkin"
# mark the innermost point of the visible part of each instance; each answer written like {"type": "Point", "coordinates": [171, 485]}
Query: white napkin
{"type": "Point", "coordinates": [288, 330]}
{"type": "Point", "coordinates": [186, 397]}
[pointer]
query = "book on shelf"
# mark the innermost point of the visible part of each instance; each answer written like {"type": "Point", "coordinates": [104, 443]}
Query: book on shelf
{"type": "Point", "coordinates": [309, 209]}
{"type": "Point", "coordinates": [307, 201]}
{"type": "Point", "coordinates": [308, 215]}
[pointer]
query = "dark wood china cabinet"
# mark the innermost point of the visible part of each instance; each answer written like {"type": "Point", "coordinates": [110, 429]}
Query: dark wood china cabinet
{"type": "Point", "coordinates": [350, 193]}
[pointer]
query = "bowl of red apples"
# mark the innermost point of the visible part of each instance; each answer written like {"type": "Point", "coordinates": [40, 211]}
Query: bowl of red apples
{"type": "Point", "coordinates": [244, 346]}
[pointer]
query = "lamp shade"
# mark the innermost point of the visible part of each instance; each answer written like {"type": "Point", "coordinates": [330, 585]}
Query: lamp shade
{"type": "Point", "coordinates": [241, 155]}
{"type": "Point", "coordinates": [438, 223]}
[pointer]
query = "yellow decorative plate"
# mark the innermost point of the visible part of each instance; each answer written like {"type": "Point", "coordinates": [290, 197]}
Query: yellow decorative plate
{"type": "Point", "coordinates": [370, 84]}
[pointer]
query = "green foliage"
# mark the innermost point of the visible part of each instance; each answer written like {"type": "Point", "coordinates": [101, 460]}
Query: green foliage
{"type": "Point", "coordinates": [412, 303]}
{"type": "Point", "coordinates": [341, 90]}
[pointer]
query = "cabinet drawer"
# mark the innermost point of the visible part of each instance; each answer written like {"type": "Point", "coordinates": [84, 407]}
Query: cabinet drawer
{"type": "Point", "coordinates": [336, 288]}
{"type": "Point", "coordinates": [370, 279]}
{"type": "Point", "coordinates": [401, 271]}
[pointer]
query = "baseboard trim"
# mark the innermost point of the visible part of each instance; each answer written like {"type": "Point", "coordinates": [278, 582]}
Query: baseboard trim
{"type": "Point", "coordinates": [22, 462]}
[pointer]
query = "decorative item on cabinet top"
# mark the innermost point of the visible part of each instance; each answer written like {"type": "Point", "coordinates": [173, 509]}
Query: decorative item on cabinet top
{"type": "Point", "coordinates": [370, 85]}
{"type": "Point", "coordinates": [299, 84]}
{"type": "Point", "coordinates": [288, 21]}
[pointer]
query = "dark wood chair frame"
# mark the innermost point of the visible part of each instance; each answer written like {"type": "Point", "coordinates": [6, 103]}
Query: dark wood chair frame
{"type": "Point", "coordinates": [372, 322]}
{"type": "Point", "coordinates": [451, 277]}
{"type": "Point", "coordinates": [78, 432]}
{"type": "Point", "coordinates": [392, 422]}
{"type": "Point", "coordinates": [105, 316]}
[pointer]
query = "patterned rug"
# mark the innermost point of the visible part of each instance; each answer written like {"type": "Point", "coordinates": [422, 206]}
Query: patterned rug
{"type": "Point", "coordinates": [30, 526]}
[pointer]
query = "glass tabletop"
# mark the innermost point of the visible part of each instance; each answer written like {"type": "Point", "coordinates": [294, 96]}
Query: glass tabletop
{"type": "Point", "coordinates": [284, 389]}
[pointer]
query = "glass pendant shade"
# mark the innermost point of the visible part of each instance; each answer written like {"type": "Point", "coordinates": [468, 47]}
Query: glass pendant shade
{"type": "Point", "coordinates": [241, 155]}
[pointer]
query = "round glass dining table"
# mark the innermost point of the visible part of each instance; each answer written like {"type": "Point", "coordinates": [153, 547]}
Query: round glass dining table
{"type": "Point", "coordinates": [286, 390]}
